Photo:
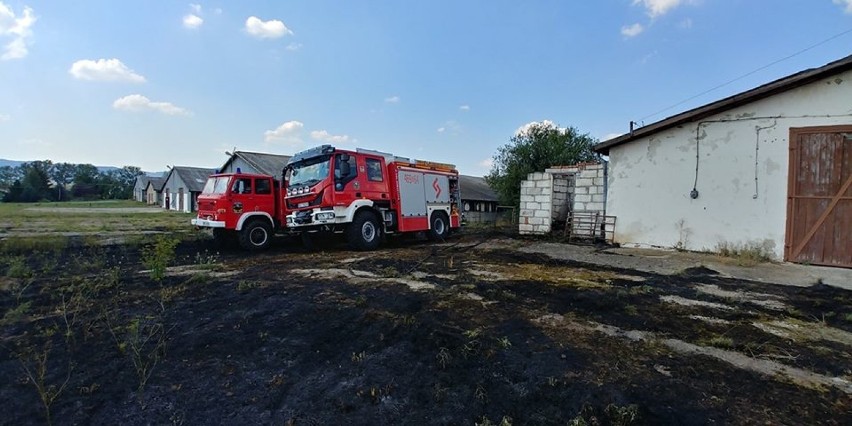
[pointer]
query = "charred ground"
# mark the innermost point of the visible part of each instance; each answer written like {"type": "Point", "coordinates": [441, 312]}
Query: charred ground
{"type": "Point", "coordinates": [471, 332]}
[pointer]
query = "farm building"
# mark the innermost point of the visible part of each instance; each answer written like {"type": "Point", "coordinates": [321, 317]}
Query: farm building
{"type": "Point", "coordinates": [479, 201]}
{"type": "Point", "coordinates": [154, 190]}
{"type": "Point", "coordinates": [139, 186]}
{"type": "Point", "coordinates": [767, 169]}
{"type": "Point", "coordinates": [182, 186]}
{"type": "Point", "coordinates": [256, 162]}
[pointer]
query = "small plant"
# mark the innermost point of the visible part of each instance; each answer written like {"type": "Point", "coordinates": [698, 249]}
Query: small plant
{"type": "Point", "coordinates": [504, 342]}
{"type": "Point", "coordinates": [18, 268]}
{"type": "Point", "coordinates": [206, 258]}
{"type": "Point", "coordinates": [246, 285]}
{"type": "Point", "coordinates": [359, 357]}
{"type": "Point", "coordinates": [443, 357]}
{"type": "Point", "coordinates": [631, 310]}
{"type": "Point", "coordinates": [480, 394]}
{"type": "Point", "coordinates": [473, 334]}
{"type": "Point", "coordinates": [847, 317]}
{"type": "Point", "coordinates": [552, 381]}
{"type": "Point", "coordinates": [748, 254]}
{"type": "Point", "coordinates": [721, 342]}
{"type": "Point", "coordinates": [35, 366]}
{"type": "Point", "coordinates": [439, 392]}
{"type": "Point", "coordinates": [158, 256]}
{"type": "Point", "coordinates": [17, 313]}
{"type": "Point", "coordinates": [144, 341]}
{"type": "Point", "coordinates": [361, 301]}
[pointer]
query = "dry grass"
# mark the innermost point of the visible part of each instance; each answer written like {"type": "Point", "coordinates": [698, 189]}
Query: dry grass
{"type": "Point", "coordinates": [557, 275]}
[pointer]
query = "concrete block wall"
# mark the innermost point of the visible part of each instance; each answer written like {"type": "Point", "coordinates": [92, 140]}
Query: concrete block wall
{"type": "Point", "coordinates": [548, 196]}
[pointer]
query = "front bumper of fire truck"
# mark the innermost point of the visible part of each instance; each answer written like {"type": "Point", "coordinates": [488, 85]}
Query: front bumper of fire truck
{"type": "Point", "coordinates": [207, 223]}
{"type": "Point", "coordinates": [307, 219]}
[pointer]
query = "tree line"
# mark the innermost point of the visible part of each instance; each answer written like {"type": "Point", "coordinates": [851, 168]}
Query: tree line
{"type": "Point", "coordinates": [49, 181]}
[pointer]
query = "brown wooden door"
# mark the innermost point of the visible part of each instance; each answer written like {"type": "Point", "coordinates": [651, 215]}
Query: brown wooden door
{"type": "Point", "coordinates": [819, 201]}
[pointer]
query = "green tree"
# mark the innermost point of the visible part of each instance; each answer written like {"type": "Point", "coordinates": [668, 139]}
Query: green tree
{"type": "Point", "coordinates": [536, 147]}
{"type": "Point", "coordinates": [63, 174]}
{"type": "Point", "coordinates": [36, 181]}
{"type": "Point", "coordinates": [8, 175]}
{"type": "Point", "coordinates": [85, 182]}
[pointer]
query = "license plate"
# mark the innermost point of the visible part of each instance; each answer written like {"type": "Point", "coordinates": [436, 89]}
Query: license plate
{"type": "Point", "coordinates": [303, 205]}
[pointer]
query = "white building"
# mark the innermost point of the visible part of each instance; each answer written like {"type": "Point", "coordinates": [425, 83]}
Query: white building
{"type": "Point", "coordinates": [182, 186]}
{"type": "Point", "coordinates": [770, 167]}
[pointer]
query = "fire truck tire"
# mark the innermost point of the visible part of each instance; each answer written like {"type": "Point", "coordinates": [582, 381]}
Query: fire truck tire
{"type": "Point", "coordinates": [439, 227]}
{"type": "Point", "coordinates": [364, 232]}
{"type": "Point", "coordinates": [255, 235]}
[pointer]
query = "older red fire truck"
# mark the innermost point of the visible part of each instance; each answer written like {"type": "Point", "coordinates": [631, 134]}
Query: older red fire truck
{"type": "Point", "coordinates": [364, 194]}
{"type": "Point", "coordinates": [241, 208]}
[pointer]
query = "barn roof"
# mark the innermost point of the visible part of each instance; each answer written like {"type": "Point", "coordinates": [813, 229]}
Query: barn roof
{"type": "Point", "coordinates": [269, 164]}
{"type": "Point", "coordinates": [769, 89]}
{"type": "Point", "coordinates": [193, 177]}
{"type": "Point", "coordinates": [156, 183]}
{"type": "Point", "coordinates": [476, 188]}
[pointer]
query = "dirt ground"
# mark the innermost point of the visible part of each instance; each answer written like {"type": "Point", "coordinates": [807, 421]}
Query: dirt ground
{"type": "Point", "coordinates": [481, 330]}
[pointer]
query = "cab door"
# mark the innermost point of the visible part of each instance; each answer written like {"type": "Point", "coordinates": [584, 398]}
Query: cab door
{"type": "Point", "coordinates": [264, 195]}
{"type": "Point", "coordinates": [374, 179]}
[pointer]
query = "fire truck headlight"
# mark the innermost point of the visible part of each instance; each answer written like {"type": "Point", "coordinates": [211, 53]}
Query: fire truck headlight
{"type": "Point", "coordinates": [325, 216]}
{"type": "Point", "coordinates": [289, 220]}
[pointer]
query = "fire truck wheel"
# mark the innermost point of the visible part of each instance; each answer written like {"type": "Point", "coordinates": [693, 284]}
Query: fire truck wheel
{"type": "Point", "coordinates": [255, 235]}
{"type": "Point", "coordinates": [440, 227]}
{"type": "Point", "coordinates": [364, 232]}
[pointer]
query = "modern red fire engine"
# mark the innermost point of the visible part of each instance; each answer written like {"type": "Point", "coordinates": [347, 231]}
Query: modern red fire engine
{"type": "Point", "coordinates": [241, 207]}
{"type": "Point", "coordinates": [364, 194]}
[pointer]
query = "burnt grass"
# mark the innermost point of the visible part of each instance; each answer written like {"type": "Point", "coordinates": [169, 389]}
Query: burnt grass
{"type": "Point", "coordinates": [239, 338]}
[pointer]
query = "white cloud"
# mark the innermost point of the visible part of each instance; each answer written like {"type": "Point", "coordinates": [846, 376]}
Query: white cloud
{"type": "Point", "coordinates": [632, 30]}
{"type": "Point", "coordinates": [287, 132]}
{"type": "Point", "coordinates": [294, 46]}
{"type": "Point", "coordinates": [138, 103]}
{"type": "Point", "coordinates": [487, 163]}
{"type": "Point", "coordinates": [272, 28]}
{"type": "Point", "coordinates": [195, 7]}
{"type": "Point", "coordinates": [18, 29]}
{"type": "Point", "coordinates": [104, 70]}
{"type": "Point", "coordinates": [392, 100]}
{"type": "Point", "coordinates": [464, 107]}
{"type": "Point", "coordinates": [324, 136]}
{"type": "Point", "coordinates": [5, 117]}
{"type": "Point", "coordinates": [442, 129]}
{"type": "Point", "coordinates": [192, 21]}
{"type": "Point", "coordinates": [526, 127]}
{"type": "Point", "coordinates": [846, 3]}
{"type": "Point", "coordinates": [217, 10]}
{"type": "Point", "coordinates": [655, 8]}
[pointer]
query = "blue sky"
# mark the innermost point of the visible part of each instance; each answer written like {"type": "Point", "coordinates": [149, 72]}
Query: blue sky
{"type": "Point", "coordinates": [157, 83]}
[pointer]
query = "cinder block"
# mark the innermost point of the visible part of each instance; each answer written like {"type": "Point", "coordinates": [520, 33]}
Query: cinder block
{"type": "Point", "coordinates": [527, 184]}
{"type": "Point", "coordinates": [527, 213]}
{"type": "Point", "coordinates": [582, 198]}
{"type": "Point", "coordinates": [594, 206]}
{"type": "Point", "coordinates": [588, 174]}
{"type": "Point", "coordinates": [599, 181]}
{"type": "Point", "coordinates": [598, 198]}
{"type": "Point", "coordinates": [542, 199]}
{"type": "Point", "coordinates": [533, 206]}
{"type": "Point", "coordinates": [581, 190]}
{"type": "Point", "coordinates": [525, 228]}
{"type": "Point", "coordinates": [585, 182]}
{"type": "Point", "coordinates": [543, 184]}
{"type": "Point", "coordinates": [525, 198]}
{"type": "Point", "coordinates": [542, 213]}
{"type": "Point", "coordinates": [547, 206]}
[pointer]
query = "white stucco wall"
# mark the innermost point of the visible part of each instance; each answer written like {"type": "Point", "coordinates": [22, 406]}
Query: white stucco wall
{"type": "Point", "coordinates": [650, 179]}
{"type": "Point", "coordinates": [244, 167]}
{"type": "Point", "coordinates": [170, 189]}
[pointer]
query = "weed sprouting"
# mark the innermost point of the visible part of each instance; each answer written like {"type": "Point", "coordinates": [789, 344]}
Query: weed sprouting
{"type": "Point", "coordinates": [158, 256]}
{"type": "Point", "coordinates": [207, 259]}
{"type": "Point", "coordinates": [480, 394]}
{"type": "Point", "coordinates": [143, 339]}
{"type": "Point", "coordinates": [35, 366]}
{"type": "Point", "coordinates": [359, 357]}
{"type": "Point", "coordinates": [504, 342]}
{"type": "Point", "coordinates": [443, 357]}
{"type": "Point", "coordinates": [721, 342]}
{"type": "Point", "coordinates": [246, 285]}
{"type": "Point", "coordinates": [847, 317]}
{"type": "Point", "coordinates": [747, 254]}
{"type": "Point", "coordinates": [16, 314]}
{"type": "Point", "coordinates": [473, 333]}
{"type": "Point", "coordinates": [505, 421]}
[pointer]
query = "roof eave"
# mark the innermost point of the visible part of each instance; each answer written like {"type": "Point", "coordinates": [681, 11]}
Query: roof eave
{"type": "Point", "coordinates": [764, 91]}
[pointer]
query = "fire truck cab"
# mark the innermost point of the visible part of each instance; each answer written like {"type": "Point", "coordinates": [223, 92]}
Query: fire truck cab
{"type": "Point", "coordinates": [240, 207]}
{"type": "Point", "coordinates": [365, 194]}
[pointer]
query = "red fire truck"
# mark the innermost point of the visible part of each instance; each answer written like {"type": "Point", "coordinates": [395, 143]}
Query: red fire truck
{"type": "Point", "coordinates": [241, 208]}
{"type": "Point", "coordinates": [364, 194]}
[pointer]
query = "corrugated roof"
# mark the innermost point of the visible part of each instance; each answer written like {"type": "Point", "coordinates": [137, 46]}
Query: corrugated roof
{"type": "Point", "coordinates": [156, 182]}
{"type": "Point", "coordinates": [476, 188]}
{"type": "Point", "coordinates": [269, 164]}
{"type": "Point", "coordinates": [778, 86]}
{"type": "Point", "coordinates": [193, 177]}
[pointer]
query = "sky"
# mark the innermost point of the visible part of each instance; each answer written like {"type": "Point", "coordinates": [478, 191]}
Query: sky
{"type": "Point", "coordinates": [157, 83]}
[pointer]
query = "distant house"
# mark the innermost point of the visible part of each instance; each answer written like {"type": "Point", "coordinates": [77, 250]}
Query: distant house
{"type": "Point", "coordinates": [139, 188]}
{"type": "Point", "coordinates": [182, 186]}
{"type": "Point", "coordinates": [479, 201]}
{"type": "Point", "coordinates": [154, 190]}
{"type": "Point", "coordinates": [256, 162]}
{"type": "Point", "coordinates": [769, 168]}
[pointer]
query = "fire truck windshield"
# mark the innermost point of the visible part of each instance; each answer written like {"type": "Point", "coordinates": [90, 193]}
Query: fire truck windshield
{"type": "Point", "coordinates": [216, 185]}
{"type": "Point", "coordinates": [310, 172]}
